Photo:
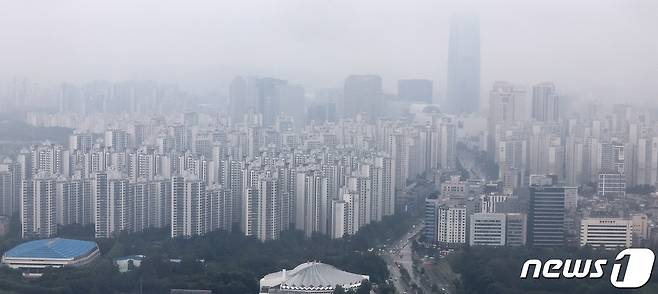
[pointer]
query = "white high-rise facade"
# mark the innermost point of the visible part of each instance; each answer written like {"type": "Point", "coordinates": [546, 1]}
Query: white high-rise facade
{"type": "Point", "coordinates": [39, 207]}
{"type": "Point", "coordinates": [189, 206]}
{"type": "Point", "coordinates": [451, 224]}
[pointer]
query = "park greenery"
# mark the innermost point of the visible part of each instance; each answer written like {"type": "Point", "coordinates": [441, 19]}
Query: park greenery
{"type": "Point", "coordinates": [224, 262]}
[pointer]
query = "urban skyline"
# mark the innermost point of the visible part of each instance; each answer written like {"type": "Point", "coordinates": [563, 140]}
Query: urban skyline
{"type": "Point", "coordinates": [290, 147]}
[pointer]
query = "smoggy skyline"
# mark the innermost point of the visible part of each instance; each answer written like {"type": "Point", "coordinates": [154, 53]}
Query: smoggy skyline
{"type": "Point", "coordinates": [590, 49]}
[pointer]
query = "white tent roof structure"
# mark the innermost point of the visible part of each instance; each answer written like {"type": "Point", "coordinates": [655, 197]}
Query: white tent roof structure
{"type": "Point", "coordinates": [312, 276]}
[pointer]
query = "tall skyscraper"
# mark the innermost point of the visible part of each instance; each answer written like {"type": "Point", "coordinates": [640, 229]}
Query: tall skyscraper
{"type": "Point", "coordinates": [545, 103]}
{"type": "Point", "coordinates": [415, 90]}
{"type": "Point", "coordinates": [463, 87]}
{"type": "Point", "coordinates": [362, 93]}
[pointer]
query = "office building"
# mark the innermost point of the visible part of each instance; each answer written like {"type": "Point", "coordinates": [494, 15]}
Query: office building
{"type": "Point", "coordinates": [516, 231]}
{"type": "Point", "coordinates": [607, 233]}
{"type": "Point", "coordinates": [430, 219]}
{"type": "Point", "coordinates": [546, 216]}
{"type": "Point", "coordinates": [487, 229]}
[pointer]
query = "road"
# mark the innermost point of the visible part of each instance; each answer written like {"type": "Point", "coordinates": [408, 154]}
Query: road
{"type": "Point", "coordinates": [399, 253]}
{"type": "Point", "coordinates": [441, 274]}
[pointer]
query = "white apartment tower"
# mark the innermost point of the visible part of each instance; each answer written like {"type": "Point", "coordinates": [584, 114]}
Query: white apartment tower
{"type": "Point", "coordinates": [38, 207]}
{"type": "Point", "coordinates": [189, 206]}
{"type": "Point", "coordinates": [451, 224]}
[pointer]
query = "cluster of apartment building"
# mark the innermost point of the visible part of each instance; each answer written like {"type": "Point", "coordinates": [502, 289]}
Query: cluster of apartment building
{"type": "Point", "coordinates": [562, 177]}
{"type": "Point", "coordinates": [613, 149]}
{"type": "Point", "coordinates": [206, 173]}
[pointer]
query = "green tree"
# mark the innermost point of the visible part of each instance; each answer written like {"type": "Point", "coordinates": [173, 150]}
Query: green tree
{"type": "Point", "coordinates": [365, 287]}
{"type": "Point", "coordinates": [339, 290]}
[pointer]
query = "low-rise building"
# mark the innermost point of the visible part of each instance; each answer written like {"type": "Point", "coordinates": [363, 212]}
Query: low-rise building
{"type": "Point", "coordinates": [608, 233]}
{"type": "Point", "coordinates": [310, 277]}
{"type": "Point", "coordinates": [33, 256]}
{"type": "Point", "coordinates": [487, 229]}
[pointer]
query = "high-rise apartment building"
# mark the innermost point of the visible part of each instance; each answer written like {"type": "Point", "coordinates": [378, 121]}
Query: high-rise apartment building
{"type": "Point", "coordinates": [189, 206]}
{"type": "Point", "coordinates": [76, 201]}
{"type": "Point", "coordinates": [39, 207]}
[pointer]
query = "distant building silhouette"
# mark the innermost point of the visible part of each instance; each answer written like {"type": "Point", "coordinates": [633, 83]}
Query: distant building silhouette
{"type": "Point", "coordinates": [545, 103]}
{"type": "Point", "coordinates": [415, 90]}
{"type": "Point", "coordinates": [362, 94]}
{"type": "Point", "coordinates": [463, 86]}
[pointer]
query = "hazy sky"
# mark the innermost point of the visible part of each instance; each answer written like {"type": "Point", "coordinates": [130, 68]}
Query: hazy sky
{"type": "Point", "coordinates": [595, 48]}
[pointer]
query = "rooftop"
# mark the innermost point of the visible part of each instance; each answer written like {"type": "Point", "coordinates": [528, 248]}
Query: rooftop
{"type": "Point", "coordinates": [56, 248]}
{"type": "Point", "coordinates": [314, 275]}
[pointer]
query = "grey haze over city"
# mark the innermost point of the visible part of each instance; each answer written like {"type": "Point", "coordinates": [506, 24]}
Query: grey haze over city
{"type": "Point", "coordinates": [328, 146]}
{"type": "Point", "coordinates": [592, 49]}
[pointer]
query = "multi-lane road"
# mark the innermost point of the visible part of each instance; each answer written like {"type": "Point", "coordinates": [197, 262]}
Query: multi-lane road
{"type": "Point", "coordinates": [399, 255]}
